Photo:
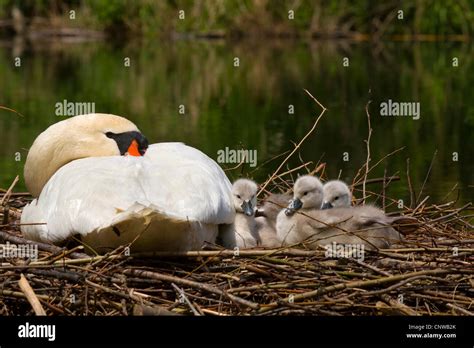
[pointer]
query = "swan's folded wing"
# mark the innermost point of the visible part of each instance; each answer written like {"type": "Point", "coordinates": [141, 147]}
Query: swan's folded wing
{"type": "Point", "coordinates": [83, 196]}
{"type": "Point", "coordinates": [176, 170]}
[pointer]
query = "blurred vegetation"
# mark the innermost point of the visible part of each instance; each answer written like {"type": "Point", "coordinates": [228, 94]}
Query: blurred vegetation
{"type": "Point", "coordinates": [257, 17]}
{"type": "Point", "coordinates": [248, 106]}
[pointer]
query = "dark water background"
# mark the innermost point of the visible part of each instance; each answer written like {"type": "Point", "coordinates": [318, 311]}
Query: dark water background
{"type": "Point", "coordinates": [247, 106]}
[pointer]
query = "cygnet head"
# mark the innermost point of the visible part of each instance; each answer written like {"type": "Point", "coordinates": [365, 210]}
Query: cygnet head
{"type": "Point", "coordinates": [92, 135]}
{"type": "Point", "coordinates": [336, 195]}
{"type": "Point", "coordinates": [307, 194]}
{"type": "Point", "coordinates": [244, 195]}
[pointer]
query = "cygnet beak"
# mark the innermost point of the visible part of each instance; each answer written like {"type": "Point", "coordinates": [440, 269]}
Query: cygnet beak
{"type": "Point", "coordinates": [247, 208]}
{"type": "Point", "coordinates": [326, 205]}
{"type": "Point", "coordinates": [294, 205]}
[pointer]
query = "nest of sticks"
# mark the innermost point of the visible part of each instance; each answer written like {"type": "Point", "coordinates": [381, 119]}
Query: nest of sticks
{"type": "Point", "coordinates": [432, 274]}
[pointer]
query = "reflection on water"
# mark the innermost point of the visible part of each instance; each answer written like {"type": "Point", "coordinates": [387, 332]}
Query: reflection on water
{"type": "Point", "coordinates": [248, 106]}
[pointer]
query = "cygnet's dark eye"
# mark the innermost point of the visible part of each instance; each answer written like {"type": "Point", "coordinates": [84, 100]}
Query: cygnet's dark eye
{"type": "Point", "coordinates": [238, 196]}
{"type": "Point", "coordinates": [304, 194]}
{"type": "Point", "coordinates": [336, 198]}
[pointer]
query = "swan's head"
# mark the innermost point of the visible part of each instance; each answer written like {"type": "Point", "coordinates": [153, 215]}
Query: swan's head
{"type": "Point", "coordinates": [244, 194]}
{"type": "Point", "coordinates": [92, 135]}
{"type": "Point", "coordinates": [336, 195]}
{"type": "Point", "coordinates": [307, 194]}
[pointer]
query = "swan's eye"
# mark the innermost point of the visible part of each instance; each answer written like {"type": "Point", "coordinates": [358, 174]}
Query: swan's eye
{"type": "Point", "coordinates": [238, 196]}
{"type": "Point", "coordinates": [336, 198]}
{"type": "Point", "coordinates": [304, 194]}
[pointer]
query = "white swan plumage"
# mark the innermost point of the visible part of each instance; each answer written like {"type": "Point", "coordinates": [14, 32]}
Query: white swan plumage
{"type": "Point", "coordinates": [171, 198]}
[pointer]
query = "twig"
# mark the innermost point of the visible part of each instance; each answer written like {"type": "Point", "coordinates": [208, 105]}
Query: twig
{"type": "Point", "coordinates": [6, 196]}
{"type": "Point", "coordinates": [186, 282]}
{"type": "Point", "coordinates": [12, 110]}
{"type": "Point", "coordinates": [403, 309]}
{"type": "Point", "coordinates": [371, 267]}
{"type": "Point", "coordinates": [377, 180]}
{"type": "Point", "coordinates": [20, 294]}
{"type": "Point", "coordinates": [31, 296]}
{"type": "Point", "coordinates": [420, 205]}
{"type": "Point", "coordinates": [395, 286]}
{"type": "Point", "coordinates": [384, 188]}
{"type": "Point", "coordinates": [362, 284]}
{"type": "Point", "coordinates": [229, 253]}
{"type": "Point", "coordinates": [367, 162]}
{"type": "Point", "coordinates": [41, 246]}
{"type": "Point", "coordinates": [427, 175]}
{"type": "Point", "coordinates": [182, 295]}
{"type": "Point", "coordinates": [452, 214]}
{"type": "Point", "coordinates": [297, 146]}
{"type": "Point", "coordinates": [459, 309]}
{"type": "Point", "coordinates": [412, 193]}
{"type": "Point", "coordinates": [140, 310]}
{"type": "Point", "coordinates": [6, 215]}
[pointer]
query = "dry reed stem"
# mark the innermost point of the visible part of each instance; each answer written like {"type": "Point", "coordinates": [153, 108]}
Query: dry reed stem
{"type": "Point", "coordinates": [297, 146]}
{"type": "Point", "coordinates": [6, 196]}
{"type": "Point", "coordinates": [31, 296]}
{"type": "Point", "coordinates": [367, 142]}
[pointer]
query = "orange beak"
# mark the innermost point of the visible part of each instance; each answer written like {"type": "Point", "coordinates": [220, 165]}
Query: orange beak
{"type": "Point", "coordinates": [133, 149]}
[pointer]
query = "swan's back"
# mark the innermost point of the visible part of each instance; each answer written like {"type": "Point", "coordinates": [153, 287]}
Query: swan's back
{"type": "Point", "coordinates": [175, 180]}
{"type": "Point", "coordinates": [177, 170]}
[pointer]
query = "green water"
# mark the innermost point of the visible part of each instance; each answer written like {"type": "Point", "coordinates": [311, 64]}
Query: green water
{"type": "Point", "coordinates": [247, 106]}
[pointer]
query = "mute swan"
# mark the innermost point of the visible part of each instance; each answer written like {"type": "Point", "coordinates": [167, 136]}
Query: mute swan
{"type": "Point", "coordinates": [365, 225]}
{"type": "Point", "coordinates": [171, 197]}
{"type": "Point", "coordinates": [336, 194]}
{"type": "Point", "coordinates": [248, 231]}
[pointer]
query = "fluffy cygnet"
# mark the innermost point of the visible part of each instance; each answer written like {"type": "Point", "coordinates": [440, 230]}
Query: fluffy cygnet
{"type": "Point", "coordinates": [365, 225]}
{"type": "Point", "coordinates": [248, 231]}
{"type": "Point", "coordinates": [336, 194]}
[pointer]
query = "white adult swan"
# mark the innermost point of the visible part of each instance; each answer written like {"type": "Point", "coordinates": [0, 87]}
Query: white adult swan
{"type": "Point", "coordinates": [171, 198]}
